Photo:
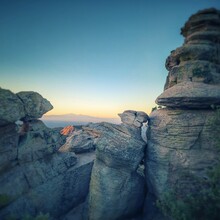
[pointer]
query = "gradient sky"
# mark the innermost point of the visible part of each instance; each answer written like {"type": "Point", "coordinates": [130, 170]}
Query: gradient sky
{"type": "Point", "coordinates": [93, 57]}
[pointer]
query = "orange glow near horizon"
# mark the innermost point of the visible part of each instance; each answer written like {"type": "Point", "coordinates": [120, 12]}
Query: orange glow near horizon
{"type": "Point", "coordinates": [94, 112]}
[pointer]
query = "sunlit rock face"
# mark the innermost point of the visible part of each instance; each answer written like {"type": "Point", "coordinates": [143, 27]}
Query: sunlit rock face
{"type": "Point", "coordinates": [117, 189]}
{"type": "Point", "coordinates": [184, 134]}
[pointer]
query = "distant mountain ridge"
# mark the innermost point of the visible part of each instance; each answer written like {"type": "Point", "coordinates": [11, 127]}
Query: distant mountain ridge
{"type": "Point", "coordinates": [77, 119]}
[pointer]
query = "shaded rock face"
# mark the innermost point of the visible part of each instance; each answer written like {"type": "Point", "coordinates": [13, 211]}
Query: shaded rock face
{"type": "Point", "coordinates": [117, 189]}
{"type": "Point", "coordinates": [11, 107]}
{"type": "Point", "coordinates": [184, 135]}
{"type": "Point", "coordinates": [35, 175]}
{"type": "Point", "coordinates": [181, 144]}
{"type": "Point", "coordinates": [198, 60]}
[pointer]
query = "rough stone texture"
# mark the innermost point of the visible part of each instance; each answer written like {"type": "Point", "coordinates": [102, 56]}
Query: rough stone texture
{"type": "Point", "coordinates": [35, 175]}
{"type": "Point", "coordinates": [8, 145]}
{"type": "Point", "coordinates": [81, 141]}
{"type": "Point", "coordinates": [11, 107]}
{"type": "Point", "coordinates": [182, 146]}
{"type": "Point", "coordinates": [34, 104]}
{"type": "Point", "coordinates": [38, 177]}
{"type": "Point", "coordinates": [115, 193]}
{"type": "Point", "coordinates": [68, 130]}
{"type": "Point", "coordinates": [206, 22]}
{"type": "Point", "coordinates": [183, 137]}
{"type": "Point", "coordinates": [37, 142]}
{"type": "Point", "coordinates": [51, 185]}
{"type": "Point", "coordinates": [195, 71]}
{"type": "Point", "coordinates": [78, 213]}
{"type": "Point", "coordinates": [198, 59]}
{"type": "Point", "coordinates": [116, 189]}
{"type": "Point", "coordinates": [190, 95]}
{"type": "Point", "coordinates": [135, 118]}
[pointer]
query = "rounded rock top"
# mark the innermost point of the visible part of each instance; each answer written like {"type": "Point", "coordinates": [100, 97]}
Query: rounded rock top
{"type": "Point", "coordinates": [131, 117]}
{"type": "Point", "coordinates": [35, 105]}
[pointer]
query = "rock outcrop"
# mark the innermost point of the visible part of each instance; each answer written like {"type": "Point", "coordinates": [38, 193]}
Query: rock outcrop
{"type": "Point", "coordinates": [183, 136]}
{"type": "Point", "coordinates": [198, 60]}
{"type": "Point", "coordinates": [117, 189]}
{"type": "Point", "coordinates": [35, 175]}
{"type": "Point", "coordinates": [34, 105]}
{"type": "Point", "coordinates": [103, 171]}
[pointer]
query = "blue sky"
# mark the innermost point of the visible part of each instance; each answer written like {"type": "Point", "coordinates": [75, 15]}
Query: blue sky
{"type": "Point", "coordinates": [93, 57]}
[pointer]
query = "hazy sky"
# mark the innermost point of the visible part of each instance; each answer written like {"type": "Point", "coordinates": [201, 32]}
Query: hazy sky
{"type": "Point", "coordinates": [94, 57]}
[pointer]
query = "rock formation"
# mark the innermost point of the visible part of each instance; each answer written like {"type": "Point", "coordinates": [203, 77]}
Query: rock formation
{"type": "Point", "coordinates": [103, 171]}
{"type": "Point", "coordinates": [35, 175]}
{"type": "Point", "coordinates": [182, 137]}
{"type": "Point", "coordinates": [117, 189]}
{"type": "Point", "coordinates": [198, 60]}
{"type": "Point", "coordinates": [49, 170]}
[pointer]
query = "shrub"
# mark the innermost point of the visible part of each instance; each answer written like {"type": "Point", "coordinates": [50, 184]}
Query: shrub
{"type": "Point", "coordinates": [40, 216]}
{"type": "Point", "coordinates": [4, 200]}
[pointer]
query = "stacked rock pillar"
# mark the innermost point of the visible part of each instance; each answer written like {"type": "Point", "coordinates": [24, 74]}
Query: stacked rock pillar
{"type": "Point", "coordinates": [183, 135]}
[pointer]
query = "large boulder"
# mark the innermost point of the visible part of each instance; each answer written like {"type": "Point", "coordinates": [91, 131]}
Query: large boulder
{"type": "Point", "coordinates": [115, 193]}
{"type": "Point", "coordinates": [81, 141]}
{"type": "Point", "coordinates": [11, 107]}
{"type": "Point", "coordinates": [34, 105]}
{"type": "Point", "coordinates": [117, 189]}
{"type": "Point", "coordinates": [135, 118]}
{"type": "Point", "coordinates": [182, 146]}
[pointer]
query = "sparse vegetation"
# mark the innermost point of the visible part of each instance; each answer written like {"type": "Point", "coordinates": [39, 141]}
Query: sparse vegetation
{"type": "Point", "coordinates": [40, 216]}
{"type": "Point", "coordinates": [197, 72]}
{"type": "Point", "coordinates": [4, 200]}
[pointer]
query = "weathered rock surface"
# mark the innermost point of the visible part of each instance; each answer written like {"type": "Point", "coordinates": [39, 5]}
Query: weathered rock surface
{"type": "Point", "coordinates": [11, 107]}
{"type": "Point", "coordinates": [50, 185]}
{"type": "Point", "coordinates": [81, 141]}
{"type": "Point", "coordinates": [117, 189]}
{"type": "Point", "coordinates": [35, 175]}
{"type": "Point", "coordinates": [38, 141]}
{"type": "Point", "coordinates": [183, 137]}
{"type": "Point", "coordinates": [135, 118]}
{"type": "Point", "coordinates": [34, 105]}
{"type": "Point", "coordinates": [9, 138]}
{"type": "Point", "coordinates": [204, 25]}
{"type": "Point", "coordinates": [190, 95]}
{"type": "Point", "coordinates": [198, 59]}
{"type": "Point", "coordinates": [68, 130]}
{"type": "Point", "coordinates": [181, 144]}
